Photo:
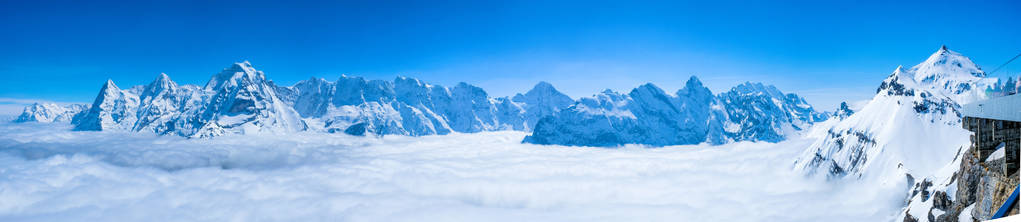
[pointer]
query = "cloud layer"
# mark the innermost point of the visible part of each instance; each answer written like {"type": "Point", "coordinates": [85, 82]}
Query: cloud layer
{"type": "Point", "coordinates": [49, 173]}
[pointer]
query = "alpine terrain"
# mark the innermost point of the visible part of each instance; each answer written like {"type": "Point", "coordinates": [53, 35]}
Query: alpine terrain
{"type": "Point", "coordinates": [692, 115]}
{"type": "Point", "coordinates": [240, 100]}
{"type": "Point", "coordinates": [909, 134]}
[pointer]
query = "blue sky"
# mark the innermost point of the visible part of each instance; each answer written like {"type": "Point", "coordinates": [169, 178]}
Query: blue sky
{"type": "Point", "coordinates": [826, 51]}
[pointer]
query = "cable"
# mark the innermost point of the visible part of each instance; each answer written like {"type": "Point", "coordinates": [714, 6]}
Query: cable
{"type": "Point", "coordinates": [1004, 64]}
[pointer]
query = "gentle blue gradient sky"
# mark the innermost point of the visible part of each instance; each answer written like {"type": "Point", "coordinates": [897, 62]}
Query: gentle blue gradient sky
{"type": "Point", "coordinates": [826, 51]}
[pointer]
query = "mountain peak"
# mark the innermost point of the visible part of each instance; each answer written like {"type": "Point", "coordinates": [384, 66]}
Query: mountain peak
{"type": "Point", "coordinates": [109, 85]}
{"type": "Point", "coordinates": [244, 64]}
{"type": "Point", "coordinates": [693, 82]}
{"type": "Point", "coordinates": [243, 71]}
{"type": "Point", "coordinates": [541, 90]}
{"type": "Point", "coordinates": [543, 85]}
{"type": "Point", "coordinates": [898, 71]}
{"type": "Point", "coordinates": [843, 111]}
{"type": "Point", "coordinates": [649, 86]}
{"type": "Point", "coordinates": [946, 63]}
{"type": "Point", "coordinates": [162, 82]}
{"type": "Point", "coordinates": [694, 87]}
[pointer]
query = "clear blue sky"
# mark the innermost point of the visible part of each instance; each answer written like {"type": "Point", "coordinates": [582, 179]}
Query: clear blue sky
{"type": "Point", "coordinates": [825, 51]}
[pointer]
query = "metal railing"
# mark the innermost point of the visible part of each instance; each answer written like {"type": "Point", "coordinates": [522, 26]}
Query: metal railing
{"type": "Point", "coordinates": [1007, 204]}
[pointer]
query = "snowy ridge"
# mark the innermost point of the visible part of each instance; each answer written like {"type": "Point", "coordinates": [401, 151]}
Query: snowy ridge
{"type": "Point", "coordinates": [648, 115]}
{"type": "Point", "coordinates": [240, 100]}
{"type": "Point", "coordinates": [407, 106]}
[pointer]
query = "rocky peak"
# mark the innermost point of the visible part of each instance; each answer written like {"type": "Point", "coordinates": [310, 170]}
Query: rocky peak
{"type": "Point", "coordinates": [647, 89]}
{"type": "Point", "coordinates": [239, 74]}
{"type": "Point", "coordinates": [542, 86]}
{"type": "Point", "coordinates": [161, 84]}
{"type": "Point", "coordinates": [543, 91]}
{"type": "Point", "coordinates": [843, 111]}
{"type": "Point", "coordinates": [749, 88]}
{"type": "Point", "coordinates": [694, 88]}
{"type": "Point", "coordinates": [468, 90]}
{"type": "Point", "coordinates": [945, 64]}
{"type": "Point", "coordinates": [109, 88]}
{"type": "Point", "coordinates": [693, 82]}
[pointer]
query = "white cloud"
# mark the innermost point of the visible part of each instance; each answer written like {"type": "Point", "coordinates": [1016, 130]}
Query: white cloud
{"type": "Point", "coordinates": [52, 174]}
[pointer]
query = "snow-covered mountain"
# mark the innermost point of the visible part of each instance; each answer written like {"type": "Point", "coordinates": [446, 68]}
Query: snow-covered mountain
{"type": "Point", "coordinates": [692, 115]}
{"type": "Point", "coordinates": [909, 132]}
{"type": "Point", "coordinates": [113, 109]}
{"type": "Point", "coordinates": [243, 101]}
{"type": "Point", "coordinates": [237, 100]}
{"type": "Point", "coordinates": [240, 100]}
{"type": "Point", "coordinates": [757, 112]}
{"type": "Point", "coordinates": [408, 106]}
{"type": "Point", "coordinates": [890, 131]}
{"type": "Point", "coordinates": [50, 112]}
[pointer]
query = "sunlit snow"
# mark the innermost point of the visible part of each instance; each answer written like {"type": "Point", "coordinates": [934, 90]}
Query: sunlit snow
{"type": "Point", "coordinates": [49, 173]}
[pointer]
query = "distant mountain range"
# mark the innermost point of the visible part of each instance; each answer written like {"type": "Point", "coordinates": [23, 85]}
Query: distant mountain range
{"type": "Point", "coordinates": [692, 115]}
{"type": "Point", "coordinates": [240, 100]}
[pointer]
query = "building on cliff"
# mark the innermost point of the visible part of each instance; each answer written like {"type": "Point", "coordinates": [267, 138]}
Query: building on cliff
{"type": "Point", "coordinates": [996, 137]}
{"type": "Point", "coordinates": [995, 124]}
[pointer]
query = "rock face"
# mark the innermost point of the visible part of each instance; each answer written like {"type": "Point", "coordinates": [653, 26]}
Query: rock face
{"type": "Point", "coordinates": [966, 190]}
{"type": "Point", "coordinates": [648, 115]}
{"type": "Point", "coordinates": [51, 112]}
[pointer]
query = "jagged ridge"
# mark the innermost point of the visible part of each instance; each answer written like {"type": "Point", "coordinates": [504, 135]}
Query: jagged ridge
{"type": "Point", "coordinates": [647, 115]}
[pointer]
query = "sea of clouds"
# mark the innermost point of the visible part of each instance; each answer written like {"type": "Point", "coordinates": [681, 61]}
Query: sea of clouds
{"type": "Point", "coordinates": [49, 173]}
